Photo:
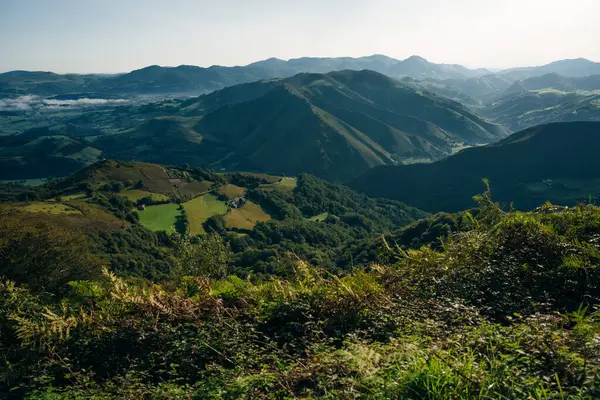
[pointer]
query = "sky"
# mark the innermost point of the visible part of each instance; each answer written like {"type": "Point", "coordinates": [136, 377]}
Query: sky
{"type": "Point", "coordinates": [108, 36]}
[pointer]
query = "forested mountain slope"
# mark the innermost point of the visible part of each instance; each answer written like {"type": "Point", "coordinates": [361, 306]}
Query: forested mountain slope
{"type": "Point", "coordinates": [554, 162]}
{"type": "Point", "coordinates": [335, 125]}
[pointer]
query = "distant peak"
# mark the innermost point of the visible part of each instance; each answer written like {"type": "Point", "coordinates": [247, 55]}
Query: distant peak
{"type": "Point", "coordinates": [416, 58]}
{"type": "Point", "coordinates": [272, 61]}
{"type": "Point", "coordinates": [377, 57]}
{"type": "Point", "coordinates": [148, 68]}
{"type": "Point", "coordinates": [580, 60]}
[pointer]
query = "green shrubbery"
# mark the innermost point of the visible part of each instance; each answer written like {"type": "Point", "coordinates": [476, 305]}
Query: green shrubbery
{"type": "Point", "coordinates": [505, 308]}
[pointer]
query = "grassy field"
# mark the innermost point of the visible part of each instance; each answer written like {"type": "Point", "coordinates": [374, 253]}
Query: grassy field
{"type": "Point", "coordinates": [268, 178]}
{"type": "Point", "coordinates": [188, 122]}
{"type": "Point", "coordinates": [202, 208]}
{"type": "Point", "coordinates": [319, 218]}
{"type": "Point", "coordinates": [232, 191]}
{"type": "Point", "coordinates": [95, 212]}
{"type": "Point", "coordinates": [460, 147]}
{"type": "Point", "coordinates": [88, 155]}
{"type": "Point", "coordinates": [54, 208]}
{"type": "Point", "coordinates": [75, 215]}
{"type": "Point", "coordinates": [285, 185]}
{"type": "Point", "coordinates": [161, 217]}
{"type": "Point", "coordinates": [194, 188]}
{"type": "Point", "coordinates": [74, 196]}
{"type": "Point", "coordinates": [136, 194]}
{"type": "Point", "coordinates": [246, 217]}
{"type": "Point", "coordinates": [154, 177]}
{"type": "Point", "coordinates": [416, 160]}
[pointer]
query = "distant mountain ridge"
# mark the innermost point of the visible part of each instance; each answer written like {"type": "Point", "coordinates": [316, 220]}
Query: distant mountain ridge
{"type": "Point", "coordinates": [193, 80]}
{"type": "Point", "coordinates": [578, 67]}
{"type": "Point", "coordinates": [475, 91]}
{"type": "Point", "coordinates": [414, 66]}
{"type": "Point", "coordinates": [556, 81]}
{"type": "Point", "coordinates": [188, 79]}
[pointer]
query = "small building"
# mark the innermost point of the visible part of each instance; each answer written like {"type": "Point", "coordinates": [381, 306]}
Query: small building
{"type": "Point", "coordinates": [236, 202]}
{"type": "Point", "coordinates": [141, 207]}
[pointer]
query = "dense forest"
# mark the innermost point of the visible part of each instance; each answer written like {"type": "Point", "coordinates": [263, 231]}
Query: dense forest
{"type": "Point", "coordinates": [347, 218]}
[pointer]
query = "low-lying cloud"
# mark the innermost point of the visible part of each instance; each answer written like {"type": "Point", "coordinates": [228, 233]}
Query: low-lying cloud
{"type": "Point", "coordinates": [29, 103]}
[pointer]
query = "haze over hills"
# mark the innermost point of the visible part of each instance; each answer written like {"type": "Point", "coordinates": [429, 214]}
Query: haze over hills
{"type": "Point", "coordinates": [556, 81]}
{"type": "Point", "coordinates": [477, 91]}
{"type": "Point", "coordinates": [413, 66]}
{"type": "Point", "coordinates": [190, 80]}
{"type": "Point", "coordinates": [187, 79]}
{"type": "Point", "coordinates": [578, 67]}
{"type": "Point", "coordinates": [555, 162]}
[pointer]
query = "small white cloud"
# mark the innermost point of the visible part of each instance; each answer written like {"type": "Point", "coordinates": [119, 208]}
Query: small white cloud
{"type": "Point", "coordinates": [29, 102]}
{"type": "Point", "coordinates": [82, 102]}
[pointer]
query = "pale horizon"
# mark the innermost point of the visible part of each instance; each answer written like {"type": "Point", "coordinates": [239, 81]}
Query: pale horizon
{"type": "Point", "coordinates": [69, 36]}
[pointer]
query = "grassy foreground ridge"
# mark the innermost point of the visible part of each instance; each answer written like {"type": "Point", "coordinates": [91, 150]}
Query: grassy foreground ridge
{"type": "Point", "coordinates": [507, 308]}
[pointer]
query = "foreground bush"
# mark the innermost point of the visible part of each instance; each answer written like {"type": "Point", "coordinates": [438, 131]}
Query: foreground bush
{"type": "Point", "coordinates": [505, 310]}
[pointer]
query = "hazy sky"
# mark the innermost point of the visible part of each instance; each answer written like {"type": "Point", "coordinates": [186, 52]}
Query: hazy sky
{"type": "Point", "coordinates": [121, 35]}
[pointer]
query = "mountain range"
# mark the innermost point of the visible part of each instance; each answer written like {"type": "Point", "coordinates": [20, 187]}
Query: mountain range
{"type": "Point", "coordinates": [335, 125]}
{"type": "Point", "coordinates": [190, 80]}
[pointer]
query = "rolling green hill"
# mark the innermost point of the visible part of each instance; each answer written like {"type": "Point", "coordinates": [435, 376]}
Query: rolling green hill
{"type": "Point", "coordinates": [43, 153]}
{"type": "Point", "coordinates": [335, 125]}
{"type": "Point", "coordinates": [156, 140]}
{"type": "Point", "coordinates": [555, 162]}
